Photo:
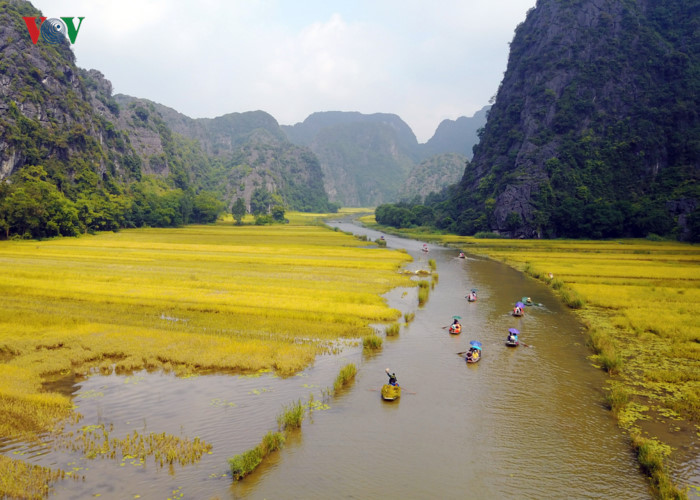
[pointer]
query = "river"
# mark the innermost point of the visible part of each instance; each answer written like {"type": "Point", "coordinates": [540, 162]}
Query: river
{"type": "Point", "coordinates": [523, 423]}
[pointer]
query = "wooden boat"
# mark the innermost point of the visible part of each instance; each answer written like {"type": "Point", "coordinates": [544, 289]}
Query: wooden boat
{"type": "Point", "coordinates": [519, 309]}
{"type": "Point", "coordinates": [390, 392]}
{"type": "Point", "coordinates": [512, 340]}
{"type": "Point", "coordinates": [455, 328]}
{"type": "Point", "coordinates": [474, 352]}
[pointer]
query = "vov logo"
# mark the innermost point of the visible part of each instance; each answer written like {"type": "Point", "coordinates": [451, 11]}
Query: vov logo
{"type": "Point", "coordinates": [52, 30]}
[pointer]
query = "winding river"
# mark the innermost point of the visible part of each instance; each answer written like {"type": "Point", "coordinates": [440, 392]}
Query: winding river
{"type": "Point", "coordinates": [524, 423]}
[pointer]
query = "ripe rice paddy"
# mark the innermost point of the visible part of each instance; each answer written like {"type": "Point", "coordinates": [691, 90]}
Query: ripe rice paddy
{"type": "Point", "coordinates": [190, 300]}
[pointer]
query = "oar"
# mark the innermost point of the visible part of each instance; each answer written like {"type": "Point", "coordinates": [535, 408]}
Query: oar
{"type": "Point", "coordinates": [460, 353]}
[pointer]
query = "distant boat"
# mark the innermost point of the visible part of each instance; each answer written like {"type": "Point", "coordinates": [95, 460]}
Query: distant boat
{"type": "Point", "coordinates": [474, 352]}
{"type": "Point", "coordinates": [512, 340]}
{"type": "Point", "coordinates": [455, 328]}
{"type": "Point", "coordinates": [519, 309]}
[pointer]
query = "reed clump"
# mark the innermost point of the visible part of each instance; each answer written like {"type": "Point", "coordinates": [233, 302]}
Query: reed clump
{"type": "Point", "coordinates": [372, 342]}
{"type": "Point", "coordinates": [432, 264]}
{"type": "Point", "coordinates": [392, 330]}
{"type": "Point", "coordinates": [603, 345]}
{"type": "Point", "coordinates": [651, 455]}
{"type": "Point", "coordinates": [571, 298]}
{"type": "Point", "coordinates": [19, 479]}
{"type": "Point", "coordinates": [291, 417]}
{"type": "Point", "coordinates": [408, 317]}
{"type": "Point", "coordinates": [616, 398]}
{"type": "Point", "coordinates": [345, 376]}
{"type": "Point", "coordinates": [245, 463]}
{"type": "Point", "coordinates": [423, 292]}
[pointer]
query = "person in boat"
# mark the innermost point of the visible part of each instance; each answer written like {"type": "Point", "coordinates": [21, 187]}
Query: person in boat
{"type": "Point", "coordinates": [512, 337]}
{"type": "Point", "coordinates": [392, 378]}
{"type": "Point", "coordinates": [517, 310]}
{"type": "Point", "coordinates": [461, 255]}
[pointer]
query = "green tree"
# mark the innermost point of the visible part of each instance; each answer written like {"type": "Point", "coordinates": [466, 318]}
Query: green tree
{"type": "Point", "coordinates": [206, 207]}
{"type": "Point", "coordinates": [278, 213]}
{"type": "Point", "coordinates": [260, 201]}
{"type": "Point", "coordinates": [238, 211]}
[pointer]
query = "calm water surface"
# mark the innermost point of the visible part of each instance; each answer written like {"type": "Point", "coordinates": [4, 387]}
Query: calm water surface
{"type": "Point", "coordinates": [525, 422]}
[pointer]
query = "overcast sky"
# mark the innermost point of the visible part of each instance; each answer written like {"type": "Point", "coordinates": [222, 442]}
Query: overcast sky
{"type": "Point", "coordinates": [424, 61]}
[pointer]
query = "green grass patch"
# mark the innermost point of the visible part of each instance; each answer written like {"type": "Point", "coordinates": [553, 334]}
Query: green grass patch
{"type": "Point", "coordinates": [345, 376]}
{"type": "Point", "coordinates": [292, 416]}
{"type": "Point", "coordinates": [372, 342]}
{"type": "Point", "coordinates": [392, 330]}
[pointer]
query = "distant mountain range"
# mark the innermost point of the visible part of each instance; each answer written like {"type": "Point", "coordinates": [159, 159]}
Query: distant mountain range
{"type": "Point", "coordinates": [367, 158]}
{"type": "Point", "coordinates": [74, 157]}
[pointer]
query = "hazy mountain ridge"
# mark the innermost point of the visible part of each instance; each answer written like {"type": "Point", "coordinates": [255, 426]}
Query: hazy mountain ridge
{"type": "Point", "coordinates": [367, 158]}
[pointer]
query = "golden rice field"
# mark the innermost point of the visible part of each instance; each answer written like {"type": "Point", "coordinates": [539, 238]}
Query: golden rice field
{"type": "Point", "coordinates": [200, 298]}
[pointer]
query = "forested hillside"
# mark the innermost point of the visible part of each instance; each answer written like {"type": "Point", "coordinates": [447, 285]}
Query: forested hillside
{"type": "Point", "coordinates": [74, 159]}
{"type": "Point", "coordinates": [595, 130]}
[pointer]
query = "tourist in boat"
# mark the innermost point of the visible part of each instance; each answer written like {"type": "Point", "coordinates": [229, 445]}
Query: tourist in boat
{"type": "Point", "coordinates": [392, 378]}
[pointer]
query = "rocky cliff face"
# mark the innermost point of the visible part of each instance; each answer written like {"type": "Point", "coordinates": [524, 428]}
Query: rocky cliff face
{"type": "Point", "coordinates": [433, 175]}
{"type": "Point", "coordinates": [593, 123]}
{"type": "Point", "coordinates": [45, 110]}
{"type": "Point", "coordinates": [237, 152]}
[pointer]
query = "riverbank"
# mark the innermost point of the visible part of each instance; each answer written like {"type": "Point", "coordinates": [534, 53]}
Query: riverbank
{"type": "Point", "coordinates": [638, 300]}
